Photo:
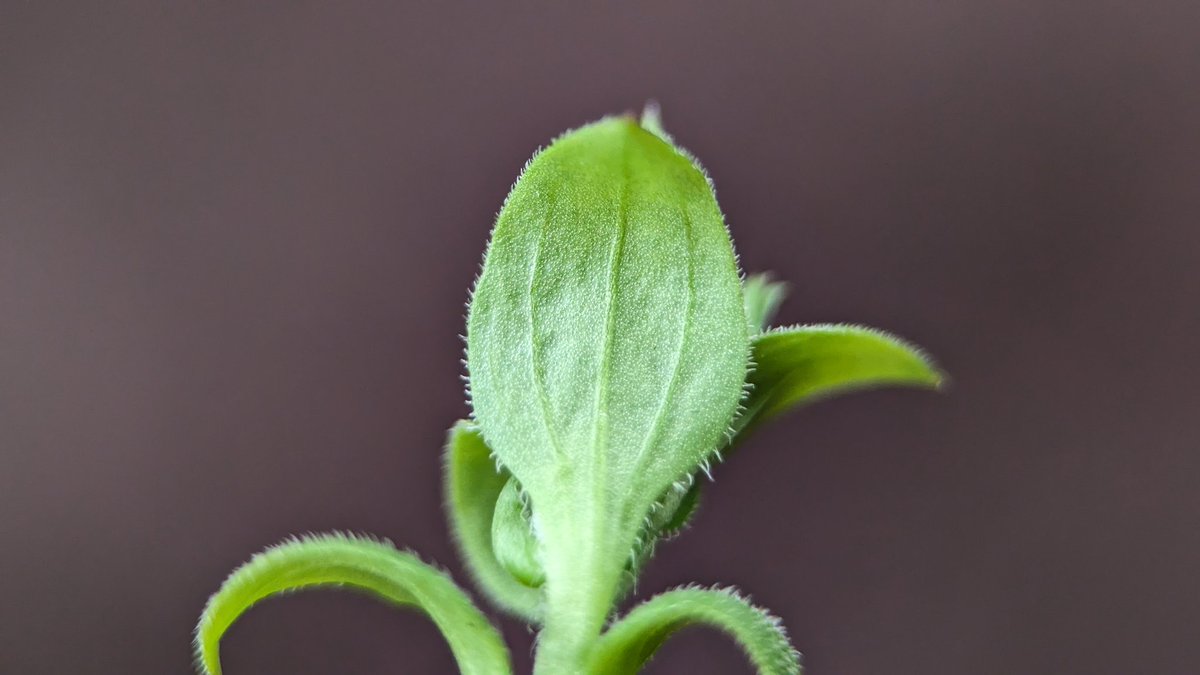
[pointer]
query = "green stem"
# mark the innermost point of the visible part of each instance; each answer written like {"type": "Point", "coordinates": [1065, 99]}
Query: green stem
{"type": "Point", "coordinates": [584, 562]}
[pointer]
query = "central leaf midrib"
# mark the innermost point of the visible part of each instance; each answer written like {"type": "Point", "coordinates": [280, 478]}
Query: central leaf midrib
{"type": "Point", "coordinates": [600, 425]}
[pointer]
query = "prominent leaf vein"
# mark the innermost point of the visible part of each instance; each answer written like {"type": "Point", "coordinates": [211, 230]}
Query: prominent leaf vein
{"type": "Point", "coordinates": [600, 430]}
{"type": "Point", "coordinates": [534, 357]}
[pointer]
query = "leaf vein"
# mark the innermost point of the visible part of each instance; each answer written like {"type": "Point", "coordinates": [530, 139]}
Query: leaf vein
{"type": "Point", "coordinates": [534, 356]}
{"type": "Point", "coordinates": [601, 423]}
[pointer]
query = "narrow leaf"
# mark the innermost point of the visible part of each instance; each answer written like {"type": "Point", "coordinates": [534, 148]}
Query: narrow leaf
{"type": "Point", "coordinates": [372, 567]}
{"type": "Point", "coordinates": [795, 366]}
{"type": "Point", "coordinates": [763, 297]}
{"type": "Point", "coordinates": [633, 640]}
{"type": "Point", "coordinates": [473, 486]}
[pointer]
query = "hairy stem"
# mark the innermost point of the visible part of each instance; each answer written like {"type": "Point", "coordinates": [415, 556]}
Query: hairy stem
{"type": "Point", "coordinates": [584, 560]}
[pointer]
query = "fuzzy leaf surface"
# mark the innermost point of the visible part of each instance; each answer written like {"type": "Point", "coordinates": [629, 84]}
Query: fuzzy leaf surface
{"type": "Point", "coordinates": [632, 641]}
{"type": "Point", "coordinates": [473, 487]}
{"type": "Point", "coordinates": [795, 366]}
{"type": "Point", "coordinates": [365, 565]}
{"type": "Point", "coordinates": [606, 346]}
{"type": "Point", "coordinates": [512, 538]}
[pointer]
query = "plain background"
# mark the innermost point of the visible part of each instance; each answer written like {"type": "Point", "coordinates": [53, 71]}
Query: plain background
{"type": "Point", "coordinates": [236, 239]}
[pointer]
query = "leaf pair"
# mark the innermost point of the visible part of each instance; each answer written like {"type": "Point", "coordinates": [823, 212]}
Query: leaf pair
{"type": "Point", "coordinates": [378, 569]}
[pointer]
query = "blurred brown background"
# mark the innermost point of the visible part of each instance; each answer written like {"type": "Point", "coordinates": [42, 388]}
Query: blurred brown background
{"type": "Point", "coordinates": [235, 243]}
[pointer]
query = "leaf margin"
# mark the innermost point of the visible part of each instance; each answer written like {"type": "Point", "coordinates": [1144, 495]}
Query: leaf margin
{"type": "Point", "coordinates": [472, 483]}
{"type": "Point", "coordinates": [904, 365]}
{"type": "Point", "coordinates": [371, 566]}
{"type": "Point", "coordinates": [632, 641]}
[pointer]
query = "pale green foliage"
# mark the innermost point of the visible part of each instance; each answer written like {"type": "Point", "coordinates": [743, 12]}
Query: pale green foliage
{"type": "Point", "coordinates": [609, 304]}
{"type": "Point", "coordinates": [607, 349]}
{"type": "Point", "coordinates": [472, 486]}
{"type": "Point", "coordinates": [632, 641]}
{"type": "Point", "coordinates": [366, 565]}
{"type": "Point", "coordinates": [802, 364]}
{"type": "Point", "coordinates": [613, 354]}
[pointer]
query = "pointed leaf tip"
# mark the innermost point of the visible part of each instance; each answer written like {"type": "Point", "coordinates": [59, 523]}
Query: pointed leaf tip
{"type": "Point", "coordinates": [798, 365]}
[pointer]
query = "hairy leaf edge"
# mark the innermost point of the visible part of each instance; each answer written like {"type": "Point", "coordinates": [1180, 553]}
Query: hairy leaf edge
{"type": "Point", "coordinates": [312, 560]}
{"type": "Point", "coordinates": [633, 640]}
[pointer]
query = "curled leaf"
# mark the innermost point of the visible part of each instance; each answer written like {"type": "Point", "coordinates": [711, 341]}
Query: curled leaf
{"type": "Point", "coordinates": [365, 565]}
{"type": "Point", "coordinates": [512, 537]}
{"type": "Point", "coordinates": [795, 366]}
{"type": "Point", "coordinates": [473, 487]}
{"type": "Point", "coordinates": [633, 640]}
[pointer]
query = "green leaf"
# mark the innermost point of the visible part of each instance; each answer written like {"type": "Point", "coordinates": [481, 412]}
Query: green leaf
{"type": "Point", "coordinates": [512, 537]}
{"type": "Point", "coordinates": [473, 486]}
{"type": "Point", "coordinates": [763, 297]}
{"type": "Point", "coordinates": [633, 640]}
{"type": "Point", "coordinates": [796, 366]}
{"type": "Point", "coordinates": [373, 567]}
{"type": "Point", "coordinates": [510, 559]}
{"type": "Point", "coordinates": [606, 346]}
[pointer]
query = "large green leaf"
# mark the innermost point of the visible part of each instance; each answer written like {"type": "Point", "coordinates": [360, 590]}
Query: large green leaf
{"type": "Point", "coordinates": [606, 346]}
{"type": "Point", "coordinates": [372, 567]}
{"type": "Point", "coordinates": [633, 640]}
{"type": "Point", "coordinates": [473, 487]}
{"type": "Point", "coordinates": [795, 366]}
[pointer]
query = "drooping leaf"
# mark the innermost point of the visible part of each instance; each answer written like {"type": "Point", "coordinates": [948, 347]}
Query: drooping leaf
{"type": "Point", "coordinates": [372, 567]}
{"type": "Point", "coordinates": [626, 647]}
{"type": "Point", "coordinates": [606, 346]}
{"type": "Point", "coordinates": [762, 299]}
{"type": "Point", "coordinates": [473, 486]}
{"type": "Point", "coordinates": [795, 366]}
